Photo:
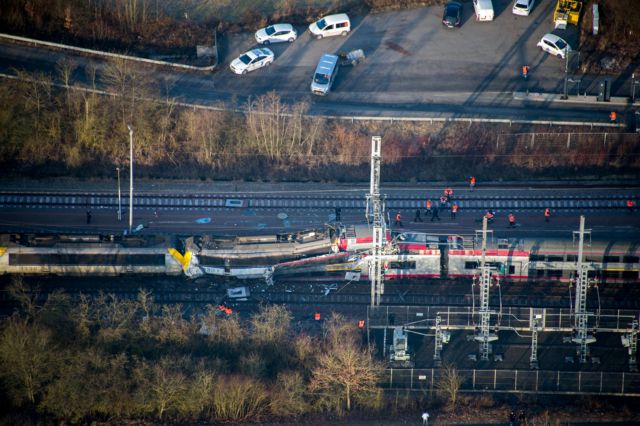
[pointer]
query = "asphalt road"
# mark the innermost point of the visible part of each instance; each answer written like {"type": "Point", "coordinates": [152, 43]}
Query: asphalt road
{"type": "Point", "coordinates": [414, 67]}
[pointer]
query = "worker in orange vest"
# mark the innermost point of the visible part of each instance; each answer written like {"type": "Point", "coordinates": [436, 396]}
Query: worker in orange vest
{"type": "Point", "coordinates": [472, 182]}
{"type": "Point", "coordinates": [525, 71]}
{"type": "Point", "coordinates": [613, 116]}
{"type": "Point", "coordinates": [448, 192]}
{"type": "Point", "coordinates": [630, 205]}
{"type": "Point", "coordinates": [454, 210]}
{"type": "Point", "coordinates": [547, 214]}
{"type": "Point", "coordinates": [398, 221]}
{"type": "Point", "coordinates": [361, 324]}
{"type": "Point", "coordinates": [512, 220]}
{"type": "Point", "coordinates": [428, 207]}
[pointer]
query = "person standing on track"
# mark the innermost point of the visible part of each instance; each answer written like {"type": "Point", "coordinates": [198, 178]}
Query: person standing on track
{"type": "Point", "coordinates": [428, 207]}
{"type": "Point", "coordinates": [417, 218]}
{"type": "Point", "coordinates": [547, 214]}
{"type": "Point", "coordinates": [398, 221]}
{"type": "Point", "coordinates": [630, 206]}
{"type": "Point", "coordinates": [88, 217]}
{"type": "Point", "coordinates": [454, 210]}
{"type": "Point", "coordinates": [512, 220]}
{"type": "Point", "coordinates": [435, 215]}
{"type": "Point", "coordinates": [472, 183]}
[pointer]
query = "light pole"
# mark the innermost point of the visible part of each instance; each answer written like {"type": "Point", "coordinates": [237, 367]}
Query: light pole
{"type": "Point", "coordinates": [119, 196]}
{"type": "Point", "coordinates": [130, 177]}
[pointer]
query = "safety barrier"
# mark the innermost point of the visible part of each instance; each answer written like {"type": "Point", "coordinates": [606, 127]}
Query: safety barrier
{"type": "Point", "coordinates": [516, 381]}
{"type": "Point", "coordinates": [93, 52]}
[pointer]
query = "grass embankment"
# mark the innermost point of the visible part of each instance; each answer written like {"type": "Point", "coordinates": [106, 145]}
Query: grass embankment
{"type": "Point", "coordinates": [52, 131]}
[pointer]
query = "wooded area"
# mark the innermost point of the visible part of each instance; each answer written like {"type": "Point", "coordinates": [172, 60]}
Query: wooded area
{"type": "Point", "coordinates": [71, 130]}
{"type": "Point", "coordinates": [108, 358]}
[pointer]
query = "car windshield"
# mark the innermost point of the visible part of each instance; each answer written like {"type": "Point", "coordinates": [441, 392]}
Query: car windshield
{"type": "Point", "coordinates": [321, 78]}
{"type": "Point", "coordinates": [561, 44]}
{"type": "Point", "coordinates": [270, 30]}
{"type": "Point", "coordinates": [245, 59]}
{"type": "Point", "coordinates": [321, 24]}
{"type": "Point", "coordinates": [452, 10]}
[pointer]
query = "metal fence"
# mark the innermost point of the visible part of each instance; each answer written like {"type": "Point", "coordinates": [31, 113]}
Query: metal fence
{"type": "Point", "coordinates": [520, 381]}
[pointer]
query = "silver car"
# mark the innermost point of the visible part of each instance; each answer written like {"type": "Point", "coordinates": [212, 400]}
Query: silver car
{"type": "Point", "coordinates": [276, 33]}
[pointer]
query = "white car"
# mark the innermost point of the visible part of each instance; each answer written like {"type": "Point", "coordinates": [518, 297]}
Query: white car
{"type": "Point", "coordinates": [523, 7]}
{"type": "Point", "coordinates": [276, 33]}
{"type": "Point", "coordinates": [554, 45]}
{"type": "Point", "coordinates": [252, 60]}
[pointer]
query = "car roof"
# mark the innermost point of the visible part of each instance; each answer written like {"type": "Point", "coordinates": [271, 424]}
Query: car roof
{"type": "Point", "coordinates": [327, 63]}
{"type": "Point", "coordinates": [257, 52]}
{"type": "Point", "coordinates": [453, 3]}
{"type": "Point", "coordinates": [282, 27]}
{"type": "Point", "coordinates": [339, 17]}
{"type": "Point", "coordinates": [552, 37]}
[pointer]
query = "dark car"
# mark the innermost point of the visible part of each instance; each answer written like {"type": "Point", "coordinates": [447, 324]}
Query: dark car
{"type": "Point", "coordinates": [452, 14]}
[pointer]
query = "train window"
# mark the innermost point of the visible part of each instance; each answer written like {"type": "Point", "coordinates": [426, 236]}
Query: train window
{"type": "Point", "coordinates": [611, 259]}
{"type": "Point", "coordinates": [512, 269]}
{"type": "Point", "coordinates": [556, 258]}
{"type": "Point", "coordinates": [402, 265]}
{"type": "Point", "coordinates": [630, 275]}
{"type": "Point", "coordinates": [593, 274]}
{"type": "Point", "coordinates": [572, 258]}
{"type": "Point", "coordinates": [471, 265]}
{"type": "Point", "coordinates": [536, 258]}
{"type": "Point", "coordinates": [592, 259]}
{"type": "Point", "coordinates": [611, 274]}
{"type": "Point", "coordinates": [540, 273]}
{"type": "Point", "coordinates": [554, 273]}
{"type": "Point", "coordinates": [631, 259]}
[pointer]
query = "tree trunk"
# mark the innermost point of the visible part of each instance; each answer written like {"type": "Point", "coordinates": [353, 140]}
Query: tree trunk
{"type": "Point", "coordinates": [348, 398]}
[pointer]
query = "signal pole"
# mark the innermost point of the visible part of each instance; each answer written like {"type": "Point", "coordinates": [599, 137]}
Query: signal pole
{"type": "Point", "coordinates": [582, 336]}
{"type": "Point", "coordinates": [376, 275]}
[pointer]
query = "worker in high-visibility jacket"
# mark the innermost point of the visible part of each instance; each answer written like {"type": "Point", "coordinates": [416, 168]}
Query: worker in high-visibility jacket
{"type": "Point", "coordinates": [630, 206]}
{"type": "Point", "coordinates": [428, 207]}
{"type": "Point", "coordinates": [547, 214]}
{"type": "Point", "coordinates": [472, 182]}
{"type": "Point", "coordinates": [398, 221]}
{"type": "Point", "coordinates": [512, 220]}
{"type": "Point", "coordinates": [454, 210]}
{"type": "Point", "coordinates": [613, 116]}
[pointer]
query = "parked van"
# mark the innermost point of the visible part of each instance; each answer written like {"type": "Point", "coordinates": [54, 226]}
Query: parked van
{"type": "Point", "coordinates": [325, 74]}
{"type": "Point", "coordinates": [331, 25]}
{"type": "Point", "coordinates": [483, 9]}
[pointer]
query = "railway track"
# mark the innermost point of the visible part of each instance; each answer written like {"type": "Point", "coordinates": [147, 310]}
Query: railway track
{"type": "Point", "coordinates": [623, 297]}
{"type": "Point", "coordinates": [467, 201]}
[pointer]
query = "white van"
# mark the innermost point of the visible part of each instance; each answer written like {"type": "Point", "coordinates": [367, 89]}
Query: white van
{"type": "Point", "coordinates": [483, 9]}
{"type": "Point", "coordinates": [325, 74]}
{"type": "Point", "coordinates": [331, 25]}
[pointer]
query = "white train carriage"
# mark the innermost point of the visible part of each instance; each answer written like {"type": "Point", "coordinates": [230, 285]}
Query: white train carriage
{"type": "Point", "coordinates": [508, 264]}
{"type": "Point", "coordinates": [614, 261]}
{"type": "Point", "coordinates": [98, 259]}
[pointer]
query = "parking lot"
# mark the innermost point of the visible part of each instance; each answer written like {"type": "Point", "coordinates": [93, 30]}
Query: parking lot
{"type": "Point", "coordinates": [412, 57]}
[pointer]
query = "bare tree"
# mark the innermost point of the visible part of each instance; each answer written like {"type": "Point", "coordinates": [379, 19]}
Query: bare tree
{"type": "Point", "coordinates": [26, 356]}
{"type": "Point", "coordinates": [344, 369]}
{"type": "Point", "coordinates": [448, 385]}
{"type": "Point", "coordinates": [271, 324]}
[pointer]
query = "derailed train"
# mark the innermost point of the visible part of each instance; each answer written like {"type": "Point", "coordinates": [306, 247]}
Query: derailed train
{"type": "Point", "coordinates": [331, 254]}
